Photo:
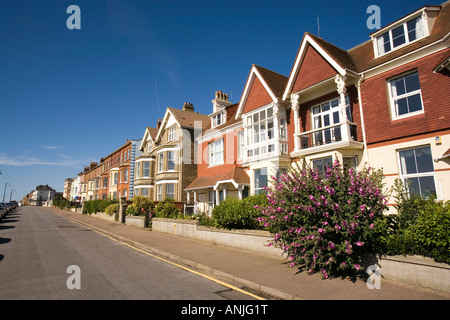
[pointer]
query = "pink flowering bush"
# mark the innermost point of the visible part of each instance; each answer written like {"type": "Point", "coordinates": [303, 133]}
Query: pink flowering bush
{"type": "Point", "coordinates": [326, 222]}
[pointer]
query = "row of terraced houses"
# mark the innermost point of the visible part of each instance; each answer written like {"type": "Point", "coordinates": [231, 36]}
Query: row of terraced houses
{"type": "Point", "coordinates": [384, 103]}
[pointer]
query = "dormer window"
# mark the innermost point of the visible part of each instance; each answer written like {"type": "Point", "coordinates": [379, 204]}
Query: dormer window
{"type": "Point", "coordinates": [218, 119]}
{"type": "Point", "coordinates": [400, 35]}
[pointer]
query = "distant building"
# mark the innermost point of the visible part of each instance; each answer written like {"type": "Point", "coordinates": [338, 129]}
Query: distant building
{"type": "Point", "coordinates": [41, 195]}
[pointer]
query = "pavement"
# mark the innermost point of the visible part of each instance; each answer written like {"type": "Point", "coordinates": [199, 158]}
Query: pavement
{"type": "Point", "coordinates": [263, 275]}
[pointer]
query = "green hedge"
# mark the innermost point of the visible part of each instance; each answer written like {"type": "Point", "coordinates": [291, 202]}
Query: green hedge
{"type": "Point", "coordinates": [422, 226]}
{"type": "Point", "coordinates": [233, 213]}
{"type": "Point", "coordinates": [167, 210]}
{"type": "Point", "coordinates": [99, 205]}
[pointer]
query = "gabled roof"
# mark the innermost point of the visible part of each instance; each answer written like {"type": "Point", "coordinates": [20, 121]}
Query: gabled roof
{"type": "Point", "coordinates": [338, 58]}
{"type": "Point", "coordinates": [184, 119]}
{"type": "Point", "coordinates": [149, 132]}
{"type": "Point", "coordinates": [237, 176]}
{"type": "Point", "coordinates": [273, 83]}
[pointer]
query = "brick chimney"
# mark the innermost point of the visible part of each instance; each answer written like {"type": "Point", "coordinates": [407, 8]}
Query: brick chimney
{"type": "Point", "coordinates": [220, 101]}
{"type": "Point", "coordinates": [188, 107]}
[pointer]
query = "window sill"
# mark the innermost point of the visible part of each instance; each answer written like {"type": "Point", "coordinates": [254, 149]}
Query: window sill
{"type": "Point", "coordinates": [410, 118]}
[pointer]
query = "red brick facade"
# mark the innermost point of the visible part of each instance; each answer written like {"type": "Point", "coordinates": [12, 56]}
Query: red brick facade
{"type": "Point", "coordinates": [313, 70]}
{"type": "Point", "coordinates": [435, 90]}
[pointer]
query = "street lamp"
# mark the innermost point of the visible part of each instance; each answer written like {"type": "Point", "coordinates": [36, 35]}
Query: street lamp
{"type": "Point", "coordinates": [10, 196]}
{"type": "Point", "coordinates": [4, 192]}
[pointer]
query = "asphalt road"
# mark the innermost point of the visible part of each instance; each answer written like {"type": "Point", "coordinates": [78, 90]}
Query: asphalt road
{"type": "Point", "coordinates": [44, 256]}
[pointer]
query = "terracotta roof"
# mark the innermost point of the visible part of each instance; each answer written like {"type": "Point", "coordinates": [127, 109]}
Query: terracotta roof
{"type": "Point", "coordinates": [341, 56]}
{"type": "Point", "coordinates": [364, 57]}
{"type": "Point", "coordinates": [237, 174]}
{"type": "Point", "coordinates": [187, 119]}
{"type": "Point", "coordinates": [153, 132]}
{"type": "Point", "coordinates": [203, 182]}
{"type": "Point", "coordinates": [231, 118]}
{"type": "Point", "coordinates": [275, 81]}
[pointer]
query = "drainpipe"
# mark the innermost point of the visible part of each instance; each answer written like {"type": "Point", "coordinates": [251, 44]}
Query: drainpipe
{"type": "Point", "coordinates": [363, 127]}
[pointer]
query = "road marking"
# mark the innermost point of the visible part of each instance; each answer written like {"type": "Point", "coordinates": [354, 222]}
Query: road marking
{"type": "Point", "coordinates": [173, 263]}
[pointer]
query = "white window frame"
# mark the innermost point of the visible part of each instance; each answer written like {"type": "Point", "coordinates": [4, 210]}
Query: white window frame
{"type": "Point", "coordinates": [258, 187]}
{"type": "Point", "coordinates": [425, 33]}
{"type": "Point", "coordinates": [138, 170]}
{"type": "Point", "coordinates": [144, 164]}
{"type": "Point", "coordinates": [218, 119]}
{"type": "Point", "coordinates": [159, 192]}
{"type": "Point", "coordinates": [215, 148]}
{"type": "Point", "coordinates": [171, 134]}
{"type": "Point", "coordinates": [241, 144]}
{"type": "Point", "coordinates": [167, 190]}
{"type": "Point", "coordinates": [161, 162]}
{"type": "Point", "coordinates": [392, 99]}
{"type": "Point", "coordinates": [405, 176]}
{"type": "Point", "coordinates": [170, 160]}
{"type": "Point", "coordinates": [258, 141]}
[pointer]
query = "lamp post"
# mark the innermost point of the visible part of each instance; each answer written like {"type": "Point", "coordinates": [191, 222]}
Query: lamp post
{"type": "Point", "coordinates": [4, 192]}
{"type": "Point", "coordinates": [10, 196]}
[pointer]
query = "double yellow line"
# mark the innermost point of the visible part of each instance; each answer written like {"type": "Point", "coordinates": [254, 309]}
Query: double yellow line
{"type": "Point", "coordinates": [173, 263]}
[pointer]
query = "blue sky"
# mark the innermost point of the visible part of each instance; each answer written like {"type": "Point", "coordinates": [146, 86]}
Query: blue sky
{"type": "Point", "coordinates": [69, 97]}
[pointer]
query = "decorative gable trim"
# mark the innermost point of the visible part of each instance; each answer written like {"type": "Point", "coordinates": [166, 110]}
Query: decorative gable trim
{"type": "Point", "coordinates": [161, 129]}
{"type": "Point", "coordinates": [253, 73]}
{"type": "Point", "coordinates": [147, 135]}
{"type": "Point", "coordinates": [298, 61]}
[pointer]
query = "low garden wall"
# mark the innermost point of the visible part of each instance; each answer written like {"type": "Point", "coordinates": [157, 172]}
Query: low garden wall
{"type": "Point", "coordinates": [413, 270]}
{"type": "Point", "coordinates": [136, 221]}
{"type": "Point", "coordinates": [251, 240]}
{"type": "Point", "coordinates": [417, 271]}
{"type": "Point", "coordinates": [103, 216]}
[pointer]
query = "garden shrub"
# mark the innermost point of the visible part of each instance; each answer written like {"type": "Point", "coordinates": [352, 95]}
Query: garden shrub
{"type": "Point", "coordinates": [141, 206]}
{"type": "Point", "coordinates": [167, 210]}
{"type": "Point", "coordinates": [233, 213]}
{"type": "Point", "coordinates": [98, 205]}
{"type": "Point", "coordinates": [112, 209]}
{"type": "Point", "coordinates": [326, 222]}
{"type": "Point", "coordinates": [131, 210]}
{"type": "Point", "coordinates": [61, 202]}
{"type": "Point", "coordinates": [421, 226]}
{"type": "Point", "coordinates": [432, 230]}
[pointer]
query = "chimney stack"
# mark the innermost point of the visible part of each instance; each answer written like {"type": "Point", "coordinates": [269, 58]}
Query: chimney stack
{"type": "Point", "coordinates": [220, 101]}
{"type": "Point", "coordinates": [188, 107]}
{"type": "Point", "coordinates": [158, 124]}
{"type": "Point", "coordinates": [221, 96]}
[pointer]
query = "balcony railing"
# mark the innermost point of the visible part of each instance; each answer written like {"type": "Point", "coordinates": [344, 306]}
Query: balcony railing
{"type": "Point", "coordinates": [344, 131]}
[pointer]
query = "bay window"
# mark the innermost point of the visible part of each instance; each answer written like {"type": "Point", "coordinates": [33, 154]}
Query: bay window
{"type": "Point", "coordinates": [170, 191]}
{"type": "Point", "coordinates": [171, 160]}
{"type": "Point", "coordinates": [260, 129]}
{"type": "Point", "coordinates": [146, 169]}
